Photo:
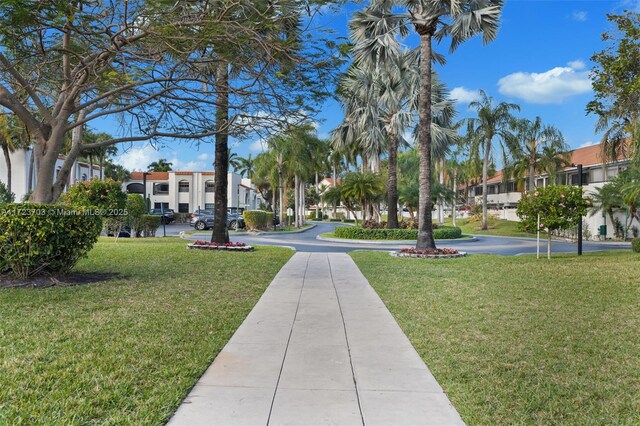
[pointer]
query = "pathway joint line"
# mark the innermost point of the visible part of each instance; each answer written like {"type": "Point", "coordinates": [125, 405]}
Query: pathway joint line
{"type": "Point", "coordinates": [346, 337]}
{"type": "Point", "coordinates": [293, 323]}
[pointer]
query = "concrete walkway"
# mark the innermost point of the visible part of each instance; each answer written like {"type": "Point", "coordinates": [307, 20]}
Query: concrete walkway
{"type": "Point", "coordinates": [319, 348]}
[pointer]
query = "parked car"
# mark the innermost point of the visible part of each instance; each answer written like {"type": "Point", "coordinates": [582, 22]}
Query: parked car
{"type": "Point", "coordinates": [167, 215]}
{"type": "Point", "coordinates": [203, 219]}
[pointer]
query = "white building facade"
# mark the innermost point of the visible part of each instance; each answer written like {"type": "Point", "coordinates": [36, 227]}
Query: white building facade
{"type": "Point", "coordinates": [185, 192]}
{"type": "Point", "coordinates": [24, 176]}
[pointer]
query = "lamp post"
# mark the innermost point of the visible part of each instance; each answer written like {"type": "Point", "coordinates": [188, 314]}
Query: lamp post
{"type": "Point", "coordinates": [144, 191]}
{"type": "Point", "coordinates": [580, 219]}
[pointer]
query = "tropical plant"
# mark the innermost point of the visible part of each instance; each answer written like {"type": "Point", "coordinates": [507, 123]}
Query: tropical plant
{"type": "Point", "coordinates": [246, 166]}
{"type": "Point", "coordinates": [6, 196]}
{"type": "Point", "coordinates": [607, 199]}
{"type": "Point", "coordinates": [493, 121]}
{"type": "Point", "coordinates": [365, 188]}
{"type": "Point", "coordinates": [162, 165]}
{"type": "Point", "coordinates": [234, 159]}
{"type": "Point", "coordinates": [537, 148]}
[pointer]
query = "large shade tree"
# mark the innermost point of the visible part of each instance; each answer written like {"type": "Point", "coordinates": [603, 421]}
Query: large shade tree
{"type": "Point", "coordinates": [432, 20]}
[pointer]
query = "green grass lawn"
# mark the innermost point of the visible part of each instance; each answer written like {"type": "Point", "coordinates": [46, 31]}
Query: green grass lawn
{"type": "Point", "coordinates": [500, 227]}
{"type": "Point", "coordinates": [513, 340]}
{"type": "Point", "coordinates": [125, 351]}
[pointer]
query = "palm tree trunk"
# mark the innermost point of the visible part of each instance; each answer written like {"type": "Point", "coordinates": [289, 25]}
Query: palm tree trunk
{"type": "Point", "coordinates": [296, 201]}
{"type": "Point", "coordinates": [455, 195]}
{"type": "Point", "coordinates": [425, 205]}
{"type": "Point", "coordinates": [303, 203]}
{"type": "Point", "coordinates": [441, 198]}
{"type": "Point", "coordinates": [318, 201]}
{"type": "Point", "coordinates": [7, 158]}
{"type": "Point", "coordinates": [335, 206]}
{"type": "Point", "coordinates": [220, 232]}
{"type": "Point", "coordinates": [485, 174]}
{"type": "Point", "coordinates": [90, 166]}
{"type": "Point", "coordinates": [532, 175]}
{"type": "Point", "coordinates": [32, 158]}
{"type": "Point", "coordinates": [281, 210]}
{"type": "Point", "coordinates": [392, 184]}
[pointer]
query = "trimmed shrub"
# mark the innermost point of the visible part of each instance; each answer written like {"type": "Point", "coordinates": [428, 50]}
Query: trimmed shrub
{"type": "Point", "coordinates": [149, 224]}
{"type": "Point", "coordinates": [45, 238]}
{"type": "Point", "coordinates": [257, 219]}
{"type": "Point", "coordinates": [635, 245]}
{"type": "Point", "coordinates": [6, 196]}
{"type": "Point", "coordinates": [358, 233]}
{"type": "Point", "coordinates": [106, 195]}
{"type": "Point", "coordinates": [181, 217]}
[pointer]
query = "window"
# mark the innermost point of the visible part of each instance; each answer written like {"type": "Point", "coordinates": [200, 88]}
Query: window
{"type": "Point", "coordinates": [575, 179]}
{"type": "Point", "coordinates": [491, 189]}
{"type": "Point", "coordinates": [183, 207]}
{"type": "Point", "coordinates": [478, 190]}
{"type": "Point", "coordinates": [512, 187]}
{"type": "Point", "coordinates": [209, 206]}
{"type": "Point", "coordinates": [160, 188]}
{"type": "Point", "coordinates": [164, 206]}
{"type": "Point", "coordinates": [183, 186]}
{"type": "Point", "coordinates": [84, 177]}
{"type": "Point", "coordinates": [209, 186]}
{"type": "Point", "coordinates": [540, 183]}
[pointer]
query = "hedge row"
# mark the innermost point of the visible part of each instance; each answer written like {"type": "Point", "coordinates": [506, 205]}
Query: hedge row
{"type": "Point", "coordinates": [635, 245]}
{"type": "Point", "coordinates": [44, 238]}
{"type": "Point", "coordinates": [358, 233]}
{"type": "Point", "coordinates": [257, 219]}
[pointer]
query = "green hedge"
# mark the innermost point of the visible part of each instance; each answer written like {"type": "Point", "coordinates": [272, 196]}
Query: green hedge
{"type": "Point", "coordinates": [257, 219]}
{"type": "Point", "coordinates": [358, 233]}
{"type": "Point", "coordinates": [45, 238]}
{"type": "Point", "coordinates": [635, 245]}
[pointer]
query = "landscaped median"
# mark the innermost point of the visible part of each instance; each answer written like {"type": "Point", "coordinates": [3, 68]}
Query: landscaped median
{"type": "Point", "coordinates": [126, 349]}
{"type": "Point", "coordinates": [513, 340]}
{"type": "Point", "coordinates": [359, 233]}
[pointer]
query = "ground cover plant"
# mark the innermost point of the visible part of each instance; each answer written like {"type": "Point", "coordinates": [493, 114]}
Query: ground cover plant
{"type": "Point", "coordinates": [359, 233]}
{"type": "Point", "coordinates": [124, 351]}
{"type": "Point", "coordinates": [515, 341]}
{"type": "Point", "coordinates": [499, 227]}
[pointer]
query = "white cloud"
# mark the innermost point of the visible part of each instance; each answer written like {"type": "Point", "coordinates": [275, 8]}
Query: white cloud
{"type": "Point", "coordinates": [549, 87]}
{"type": "Point", "coordinates": [579, 15]}
{"type": "Point", "coordinates": [257, 146]}
{"type": "Point", "coordinates": [577, 65]}
{"type": "Point", "coordinates": [205, 156]}
{"type": "Point", "coordinates": [138, 158]}
{"type": "Point", "coordinates": [190, 166]}
{"type": "Point", "coordinates": [464, 96]}
{"type": "Point", "coordinates": [588, 143]}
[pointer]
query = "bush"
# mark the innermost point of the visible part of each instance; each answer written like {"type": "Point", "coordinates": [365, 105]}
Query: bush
{"type": "Point", "coordinates": [44, 238]}
{"type": "Point", "coordinates": [257, 219]}
{"type": "Point", "coordinates": [149, 224]}
{"type": "Point", "coordinates": [635, 245]}
{"type": "Point", "coordinates": [181, 217]}
{"type": "Point", "coordinates": [106, 195]}
{"type": "Point", "coordinates": [6, 197]}
{"type": "Point", "coordinates": [358, 233]}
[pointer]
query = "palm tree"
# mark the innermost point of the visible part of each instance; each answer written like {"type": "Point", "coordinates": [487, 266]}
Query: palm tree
{"type": "Point", "coordinates": [492, 121]}
{"type": "Point", "coordinates": [607, 199]}
{"type": "Point", "coordinates": [13, 136]}
{"type": "Point", "coordinates": [538, 147]}
{"type": "Point", "coordinates": [235, 161]}
{"type": "Point", "coordinates": [162, 165]}
{"type": "Point", "coordinates": [247, 166]}
{"type": "Point", "coordinates": [553, 159]}
{"type": "Point", "coordinates": [458, 19]}
{"type": "Point", "coordinates": [362, 187]}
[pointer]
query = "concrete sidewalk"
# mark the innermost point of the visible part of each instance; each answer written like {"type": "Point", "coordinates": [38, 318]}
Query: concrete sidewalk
{"type": "Point", "coordinates": [319, 348]}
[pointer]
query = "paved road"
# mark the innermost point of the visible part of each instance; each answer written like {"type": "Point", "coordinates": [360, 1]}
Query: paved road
{"type": "Point", "coordinates": [507, 246]}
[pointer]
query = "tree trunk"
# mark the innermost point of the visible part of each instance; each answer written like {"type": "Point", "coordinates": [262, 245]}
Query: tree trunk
{"type": "Point", "coordinates": [392, 184]}
{"type": "Point", "coordinates": [317, 201]}
{"type": "Point", "coordinates": [485, 174]}
{"type": "Point", "coordinates": [90, 166]}
{"type": "Point", "coordinates": [296, 201]}
{"type": "Point", "coordinates": [532, 173]}
{"type": "Point", "coordinates": [5, 150]}
{"type": "Point", "coordinates": [441, 198]}
{"type": "Point", "coordinates": [425, 205]}
{"type": "Point", "coordinates": [220, 232]}
{"type": "Point", "coordinates": [455, 195]}
{"type": "Point", "coordinates": [32, 159]}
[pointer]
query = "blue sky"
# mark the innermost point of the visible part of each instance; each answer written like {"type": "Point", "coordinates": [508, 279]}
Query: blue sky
{"type": "Point", "coordinates": [540, 60]}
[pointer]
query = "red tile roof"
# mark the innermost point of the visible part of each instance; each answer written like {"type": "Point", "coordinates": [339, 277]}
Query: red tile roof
{"type": "Point", "coordinates": [150, 175]}
{"type": "Point", "coordinates": [589, 156]}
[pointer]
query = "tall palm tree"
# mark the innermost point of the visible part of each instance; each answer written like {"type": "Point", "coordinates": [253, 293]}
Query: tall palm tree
{"type": "Point", "coordinates": [162, 165]}
{"type": "Point", "coordinates": [235, 160]}
{"type": "Point", "coordinates": [431, 19]}
{"type": "Point", "coordinates": [247, 166]}
{"type": "Point", "coordinates": [13, 136]}
{"type": "Point", "coordinates": [493, 121]}
{"type": "Point", "coordinates": [363, 187]}
{"type": "Point", "coordinates": [537, 147]}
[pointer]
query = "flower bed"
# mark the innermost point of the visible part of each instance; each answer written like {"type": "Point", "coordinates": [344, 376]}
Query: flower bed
{"type": "Point", "coordinates": [444, 253]}
{"type": "Point", "coordinates": [205, 245]}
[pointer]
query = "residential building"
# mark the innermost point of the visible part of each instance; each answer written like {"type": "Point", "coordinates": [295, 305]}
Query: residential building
{"type": "Point", "coordinates": [503, 195]}
{"type": "Point", "coordinates": [185, 192]}
{"type": "Point", "coordinates": [23, 165]}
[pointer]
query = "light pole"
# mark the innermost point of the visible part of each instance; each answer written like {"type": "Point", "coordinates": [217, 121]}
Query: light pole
{"type": "Point", "coordinates": [144, 192]}
{"type": "Point", "coordinates": [580, 219]}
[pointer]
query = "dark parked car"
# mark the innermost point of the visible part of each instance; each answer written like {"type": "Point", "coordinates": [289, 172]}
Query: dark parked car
{"type": "Point", "coordinates": [203, 219]}
{"type": "Point", "coordinates": [167, 215]}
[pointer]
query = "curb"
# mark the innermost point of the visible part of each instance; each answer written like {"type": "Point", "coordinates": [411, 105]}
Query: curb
{"type": "Point", "coordinates": [391, 242]}
{"type": "Point", "coordinates": [313, 225]}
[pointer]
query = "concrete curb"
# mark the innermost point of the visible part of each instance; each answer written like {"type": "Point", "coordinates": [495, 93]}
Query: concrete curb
{"type": "Point", "coordinates": [285, 232]}
{"type": "Point", "coordinates": [391, 242]}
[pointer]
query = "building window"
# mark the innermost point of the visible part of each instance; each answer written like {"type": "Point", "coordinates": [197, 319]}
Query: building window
{"type": "Point", "coordinates": [540, 183]}
{"type": "Point", "coordinates": [575, 179]}
{"type": "Point", "coordinates": [183, 186]}
{"type": "Point", "coordinates": [209, 186]}
{"type": "Point", "coordinates": [209, 206]}
{"type": "Point", "coordinates": [491, 189]}
{"type": "Point", "coordinates": [160, 188]}
{"type": "Point", "coordinates": [512, 187]}
{"type": "Point", "coordinates": [478, 190]}
{"type": "Point", "coordinates": [84, 177]}
{"type": "Point", "coordinates": [183, 207]}
{"type": "Point", "coordinates": [164, 206]}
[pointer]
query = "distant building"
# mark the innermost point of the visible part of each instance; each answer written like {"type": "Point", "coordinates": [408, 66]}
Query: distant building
{"type": "Point", "coordinates": [185, 192]}
{"type": "Point", "coordinates": [22, 165]}
{"type": "Point", "coordinates": [503, 197]}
